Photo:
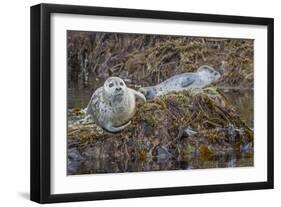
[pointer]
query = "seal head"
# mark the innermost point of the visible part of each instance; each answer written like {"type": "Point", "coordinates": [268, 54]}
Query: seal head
{"type": "Point", "coordinates": [114, 90]}
{"type": "Point", "coordinates": [149, 92]}
{"type": "Point", "coordinates": [208, 74]}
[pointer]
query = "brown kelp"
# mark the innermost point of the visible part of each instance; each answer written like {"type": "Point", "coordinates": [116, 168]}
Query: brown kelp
{"type": "Point", "coordinates": [162, 123]}
{"type": "Point", "coordinates": [149, 59]}
{"type": "Point", "coordinates": [193, 126]}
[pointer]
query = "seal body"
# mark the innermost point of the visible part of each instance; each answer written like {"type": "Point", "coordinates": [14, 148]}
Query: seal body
{"type": "Point", "coordinates": [199, 79]}
{"type": "Point", "coordinates": [113, 105]}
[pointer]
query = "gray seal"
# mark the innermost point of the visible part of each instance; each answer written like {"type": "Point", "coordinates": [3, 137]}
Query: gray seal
{"type": "Point", "coordinates": [113, 105]}
{"type": "Point", "coordinates": [199, 79]}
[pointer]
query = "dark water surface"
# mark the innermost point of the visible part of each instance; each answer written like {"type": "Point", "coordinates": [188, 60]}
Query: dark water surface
{"type": "Point", "coordinates": [237, 159]}
{"type": "Point", "coordinates": [243, 101]}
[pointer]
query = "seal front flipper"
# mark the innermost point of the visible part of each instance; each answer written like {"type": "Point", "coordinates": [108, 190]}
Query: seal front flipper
{"type": "Point", "coordinates": [187, 81]}
{"type": "Point", "coordinates": [111, 128]}
{"type": "Point", "coordinates": [138, 95]}
{"type": "Point", "coordinates": [94, 102]}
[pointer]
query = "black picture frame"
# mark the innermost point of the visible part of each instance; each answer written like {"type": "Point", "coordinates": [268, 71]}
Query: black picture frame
{"type": "Point", "coordinates": [41, 96]}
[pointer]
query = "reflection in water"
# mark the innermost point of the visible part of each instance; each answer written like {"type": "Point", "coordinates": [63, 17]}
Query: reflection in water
{"type": "Point", "coordinates": [242, 101]}
{"type": "Point", "coordinates": [125, 165]}
{"type": "Point", "coordinates": [79, 96]}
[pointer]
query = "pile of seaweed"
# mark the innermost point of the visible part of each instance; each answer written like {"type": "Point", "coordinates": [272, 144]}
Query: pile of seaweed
{"type": "Point", "coordinates": [174, 126]}
{"type": "Point", "coordinates": [145, 60]}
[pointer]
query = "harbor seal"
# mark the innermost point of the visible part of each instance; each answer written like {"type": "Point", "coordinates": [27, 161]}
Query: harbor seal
{"type": "Point", "coordinates": [113, 105]}
{"type": "Point", "coordinates": [199, 79]}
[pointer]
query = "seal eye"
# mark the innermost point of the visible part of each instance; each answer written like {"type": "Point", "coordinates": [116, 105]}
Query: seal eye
{"type": "Point", "coordinates": [110, 85]}
{"type": "Point", "coordinates": [121, 84]}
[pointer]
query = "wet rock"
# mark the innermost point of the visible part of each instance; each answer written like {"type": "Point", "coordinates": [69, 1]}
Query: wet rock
{"type": "Point", "coordinates": [185, 132]}
{"type": "Point", "coordinates": [73, 160]}
{"type": "Point", "coordinates": [163, 154]}
{"type": "Point", "coordinates": [246, 147]}
{"type": "Point", "coordinates": [73, 154]}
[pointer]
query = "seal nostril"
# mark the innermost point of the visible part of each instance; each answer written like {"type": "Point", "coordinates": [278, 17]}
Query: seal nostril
{"type": "Point", "coordinates": [118, 89]}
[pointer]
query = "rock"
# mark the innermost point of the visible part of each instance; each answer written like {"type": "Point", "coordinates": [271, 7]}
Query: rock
{"type": "Point", "coordinates": [185, 132]}
{"type": "Point", "coordinates": [163, 154]}
{"type": "Point", "coordinates": [73, 154]}
{"type": "Point", "coordinates": [73, 160]}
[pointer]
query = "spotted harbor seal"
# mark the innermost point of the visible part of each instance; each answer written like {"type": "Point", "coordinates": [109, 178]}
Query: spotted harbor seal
{"type": "Point", "coordinates": [199, 79]}
{"type": "Point", "coordinates": [113, 105]}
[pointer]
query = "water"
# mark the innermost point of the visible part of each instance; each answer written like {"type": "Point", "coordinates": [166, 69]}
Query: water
{"type": "Point", "coordinates": [243, 101]}
{"type": "Point", "coordinates": [194, 162]}
{"type": "Point", "coordinates": [78, 97]}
